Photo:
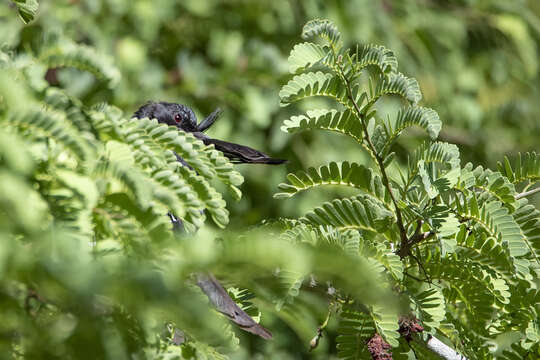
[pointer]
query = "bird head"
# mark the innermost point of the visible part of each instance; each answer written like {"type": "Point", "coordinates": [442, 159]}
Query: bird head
{"type": "Point", "coordinates": [173, 114]}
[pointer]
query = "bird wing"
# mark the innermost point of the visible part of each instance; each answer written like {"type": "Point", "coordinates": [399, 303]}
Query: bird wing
{"type": "Point", "coordinates": [239, 153]}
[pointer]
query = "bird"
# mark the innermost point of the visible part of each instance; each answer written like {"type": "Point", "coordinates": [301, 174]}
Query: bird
{"type": "Point", "coordinates": [183, 117]}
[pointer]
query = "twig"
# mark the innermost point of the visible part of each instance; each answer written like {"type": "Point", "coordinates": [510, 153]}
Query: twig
{"type": "Point", "coordinates": [527, 193]}
{"type": "Point", "coordinates": [428, 279]}
{"type": "Point", "coordinates": [405, 248]}
{"type": "Point", "coordinates": [315, 341]}
{"type": "Point", "coordinates": [438, 347]}
{"type": "Point", "coordinates": [410, 329]}
{"type": "Point", "coordinates": [415, 278]}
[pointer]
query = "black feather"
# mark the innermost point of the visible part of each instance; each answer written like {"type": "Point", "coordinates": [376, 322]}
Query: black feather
{"type": "Point", "coordinates": [166, 113]}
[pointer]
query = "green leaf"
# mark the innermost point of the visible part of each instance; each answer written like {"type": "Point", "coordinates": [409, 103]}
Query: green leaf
{"type": "Point", "coordinates": [484, 250]}
{"type": "Point", "coordinates": [360, 212]}
{"type": "Point", "coordinates": [313, 84]}
{"type": "Point", "coordinates": [22, 207]}
{"type": "Point", "coordinates": [304, 56]}
{"type": "Point", "coordinates": [528, 219]}
{"type": "Point", "coordinates": [14, 154]}
{"type": "Point", "coordinates": [132, 180]}
{"type": "Point", "coordinates": [378, 56]}
{"type": "Point", "coordinates": [442, 220]}
{"type": "Point", "coordinates": [429, 307]}
{"type": "Point", "coordinates": [434, 152]}
{"type": "Point", "coordinates": [383, 255]}
{"type": "Point", "coordinates": [82, 57]}
{"type": "Point", "coordinates": [211, 198]}
{"type": "Point", "coordinates": [349, 174]}
{"type": "Point", "coordinates": [27, 9]}
{"type": "Point", "coordinates": [386, 323]}
{"type": "Point", "coordinates": [355, 328]}
{"type": "Point", "coordinates": [493, 184]}
{"type": "Point", "coordinates": [292, 282]}
{"type": "Point", "coordinates": [426, 118]}
{"type": "Point", "coordinates": [120, 218]}
{"type": "Point", "coordinates": [207, 161]}
{"type": "Point", "coordinates": [324, 29]}
{"type": "Point", "coordinates": [52, 125]}
{"type": "Point", "coordinates": [82, 185]}
{"type": "Point", "coordinates": [496, 220]}
{"type": "Point", "coordinates": [395, 84]}
{"type": "Point", "coordinates": [344, 122]}
{"type": "Point", "coordinates": [526, 167]}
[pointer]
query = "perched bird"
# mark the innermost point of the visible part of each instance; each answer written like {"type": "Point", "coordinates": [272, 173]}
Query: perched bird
{"type": "Point", "coordinates": [184, 118]}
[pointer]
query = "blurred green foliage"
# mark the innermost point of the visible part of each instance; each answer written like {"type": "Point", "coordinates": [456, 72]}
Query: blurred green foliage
{"type": "Point", "coordinates": [476, 63]}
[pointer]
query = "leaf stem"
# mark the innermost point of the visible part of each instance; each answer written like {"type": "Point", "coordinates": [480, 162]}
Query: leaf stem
{"type": "Point", "coordinates": [379, 160]}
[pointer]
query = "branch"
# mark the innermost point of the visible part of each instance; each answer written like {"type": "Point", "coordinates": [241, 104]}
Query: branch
{"type": "Point", "coordinates": [527, 193]}
{"type": "Point", "coordinates": [436, 346]}
{"type": "Point", "coordinates": [410, 330]}
{"type": "Point", "coordinates": [417, 237]}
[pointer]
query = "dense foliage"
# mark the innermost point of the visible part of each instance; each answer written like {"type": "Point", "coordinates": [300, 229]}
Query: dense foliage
{"type": "Point", "coordinates": [411, 240]}
{"type": "Point", "coordinates": [455, 243]}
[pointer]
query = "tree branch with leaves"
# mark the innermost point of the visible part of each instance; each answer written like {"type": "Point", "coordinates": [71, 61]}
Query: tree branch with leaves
{"type": "Point", "coordinates": [462, 235]}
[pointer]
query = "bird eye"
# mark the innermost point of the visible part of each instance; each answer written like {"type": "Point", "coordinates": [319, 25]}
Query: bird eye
{"type": "Point", "coordinates": [177, 118]}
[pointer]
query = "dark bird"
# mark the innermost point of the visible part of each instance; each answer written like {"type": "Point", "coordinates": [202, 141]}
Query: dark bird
{"type": "Point", "coordinates": [184, 118]}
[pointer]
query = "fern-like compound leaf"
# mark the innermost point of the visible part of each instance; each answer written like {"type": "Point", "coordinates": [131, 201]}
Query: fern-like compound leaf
{"type": "Point", "coordinates": [58, 99]}
{"type": "Point", "coordinates": [324, 29]}
{"type": "Point", "coordinates": [395, 84]}
{"type": "Point", "coordinates": [349, 174]}
{"type": "Point", "coordinates": [305, 55]}
{"type": "Point", "coordinates": [207, 161]}
{"type": "Point", "coordinates": [360, 212]}
{"type": "Point", "coordinates": [426, 118]}
{"type": "Point", "coordinates": [290, 282]}
{"type": "Point", "coordinates": [132, 181]}
{"type": "Point", "coordinates": [52, 125]}
{"type": "Point", "coordinates": [355, 329]}
{"type": "Point", "coordinates": [344, 122]}
{"type": "Point", "coordinates": [203, 191]}
{"type": "Point", "coordinates": [120, 222]}
{"type": "Point", "coordinates": [378, 56]}
{"type": "Point", "coordinates": [386, 323]}
{"type": "Point", "coordinates": [182, 190]}
{"type": "Point", "coordinates": [496, 220]}
{"type": "Point", "coordinates": [82, 57]}
{"type": "Point", "coordinates": [528, 219]}
{"type": "Point", "coordinates": [484, 250]}
{"type": "Point", "coordinates": [27, 9]}
{"type": "Point", "coordinates": [526, 167]}
{"type": "Point", "coordinates": [492, 183]}
{"type": "Point", "coordinates": [313, 84]}
{"type": "Point", "coordinates": [435, 152]}
{"type": "Point", "coordinates": [429, 308]}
